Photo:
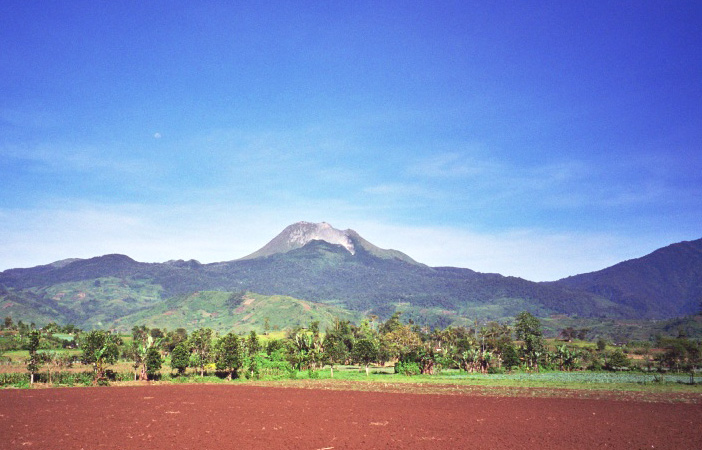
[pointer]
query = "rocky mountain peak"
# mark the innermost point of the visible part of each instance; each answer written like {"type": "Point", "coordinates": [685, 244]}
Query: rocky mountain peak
{"type": "Point", "coordinates": [300, 234]}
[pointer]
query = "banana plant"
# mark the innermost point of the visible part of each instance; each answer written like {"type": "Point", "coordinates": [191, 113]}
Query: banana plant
{"type": "Point", "coordinates": [468, 359]}
{"type": "Point", "coordinates": [141, 349]}
{"type": "Point", "coordinates": [99, 349]}
{"type": "Point", "coordinates": [484, 358]}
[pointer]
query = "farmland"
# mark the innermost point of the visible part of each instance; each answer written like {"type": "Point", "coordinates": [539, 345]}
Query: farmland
{"type": "Point", "coordinates": [304, 389]}
{"type": "Point", "coordinates": [253, 417]}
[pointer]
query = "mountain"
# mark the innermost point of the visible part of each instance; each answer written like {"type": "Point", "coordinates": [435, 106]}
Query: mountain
{"type": "Point", "coordinates": [300, 234]}
{"type": "Point", "coordinates": [666, 283]}
{"type": "Point", "coordinates": [324, 272]}
{"type": "Point", "coordinates": [318, 263]}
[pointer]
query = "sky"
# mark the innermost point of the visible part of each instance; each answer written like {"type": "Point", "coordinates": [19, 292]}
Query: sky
{"type": "Point", "coordinates": [535, 140]}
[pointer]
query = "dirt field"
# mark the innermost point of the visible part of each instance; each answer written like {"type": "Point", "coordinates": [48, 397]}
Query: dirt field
{"type": "Point", "coordinates": [201, 417]}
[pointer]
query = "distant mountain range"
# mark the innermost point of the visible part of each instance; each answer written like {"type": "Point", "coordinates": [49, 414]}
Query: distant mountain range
{"type": "Point", "coordinates": [321, 265]}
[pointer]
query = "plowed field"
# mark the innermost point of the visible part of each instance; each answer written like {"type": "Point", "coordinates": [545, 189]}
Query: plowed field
{"type": "Point", "coordinates": [201, 417]}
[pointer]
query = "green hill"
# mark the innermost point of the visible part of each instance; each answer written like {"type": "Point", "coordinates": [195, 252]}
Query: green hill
{"type": "Point", "coordinates": [231, 311]}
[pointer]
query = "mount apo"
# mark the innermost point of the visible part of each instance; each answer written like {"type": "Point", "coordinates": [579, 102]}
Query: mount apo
{"type": "Point", "coordinates": [318, 263]}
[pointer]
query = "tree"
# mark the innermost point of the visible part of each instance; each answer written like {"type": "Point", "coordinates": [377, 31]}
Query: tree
{"type": "Point", "coordinates": [617, 360]}
{"type": "Point", "coordinates": [253, 344]}
{"type": "Point", "coordinates": [681, 354]}
{"type": "Point", "coordinates": [35, 359]}
{"type": "Point", "coordinates": [51, 327]}
{"type": "Point", "coordinates": [392, 323]}
{"type": "Point", "coordinates": [22, 327]}
{"type": "Point", "coordinates": [143, 341]}
{"type": "Point", "coordinates": [173, 338]}
{"type": "Point", "coordinates": [528, 330]}
{"type": "Point", "coordinates": [401, 340]}
{"type": "Point", "coordinates": [334, 351]}
{"type": "Point", "coordinates": [568, 334]}
{"type": "Point", "coordinates": [153, 363]}
{"type": "Point", "coordinates": [57, 360]}
{"type": "Point", "coordinates": [180, 358]}
{"type": "Point", "coordinates": [229, 355]}
{"type": "Point", "coordinates": [314, 327]}
{"type": "Point", "coordinates": [156, 333]}
{"type": "Point", "coordinates": [365, 351]}
{"type": "Point", "coordinates": [510, 358]}
{"type": "Point", "coordinates": [342, 330]}
{"type": "Point", "coordinates": [99, 349]}
{"type": "Point", "coordinates": [304, 349]}
{"type": "Point", "coordinates": [253, 347]}
{"type": "Point", "coordinates": [140, 335]}
{"type": "Point", "coordinates": [494, 337]}
{"type": "Point", "coordinates": [200, 342]}
{"type": "Point", "coordinates": [601, 344]}
{"type": "Point", "coordinates": [337, 344]}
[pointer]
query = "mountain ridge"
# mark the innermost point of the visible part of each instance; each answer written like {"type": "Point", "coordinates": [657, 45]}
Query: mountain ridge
{"type": "Point", "coordinates": [352, 273]}
{"type": "Point", "coordinates": [673, 272]}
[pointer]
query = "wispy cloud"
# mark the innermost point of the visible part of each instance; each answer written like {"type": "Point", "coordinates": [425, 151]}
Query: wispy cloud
{"type": "Point", "coordinates": [226, 231]}
{"type": "Point", "coordinates": [29, 118]}
{"type": "Point", "coordinates": [452, 165]}
{"type": "Point", "coordinates": [565, 185]}
{"type": "Point", "coordinates": [402, 190]}
{"type": "Point", "coordinates": [535, 254]}
{"type": "Point", "coordinates": [146, 233]}
{"type": "Point", "coordinates": [152, 232]}
{"type": "Point", "coordinates": [66, 158]}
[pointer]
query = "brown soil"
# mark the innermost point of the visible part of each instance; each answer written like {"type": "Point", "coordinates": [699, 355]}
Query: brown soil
{"type": "Point", "coordinates": [201, 417]}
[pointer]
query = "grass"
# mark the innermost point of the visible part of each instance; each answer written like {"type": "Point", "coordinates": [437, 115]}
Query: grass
{"type": "Point", "coordinates": [625, 386]}
{"type": "Point", "coordinates": [613, 387]}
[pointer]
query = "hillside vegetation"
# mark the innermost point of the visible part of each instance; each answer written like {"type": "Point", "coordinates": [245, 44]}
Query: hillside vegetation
{"type": "Point", "coordinates": [234, 311]}
{"type": "Point", "coordinates": [666, 283]}
{"type": "Point", "coordinates": [352, 280]}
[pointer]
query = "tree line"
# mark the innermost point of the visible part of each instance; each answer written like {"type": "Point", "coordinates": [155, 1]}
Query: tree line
{"type": "Point", "coordinates": [491, 348]}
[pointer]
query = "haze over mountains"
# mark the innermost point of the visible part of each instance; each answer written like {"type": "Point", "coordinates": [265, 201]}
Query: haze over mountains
{"type": "Point", "coordinates": [339, 269]}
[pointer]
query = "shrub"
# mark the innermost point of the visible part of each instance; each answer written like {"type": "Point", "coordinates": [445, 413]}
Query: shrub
{"type": "Point", "coordinates": [14, 379]}
{"type": "Point", "coordinates": [618, 361]}
{"type": "Point", "coordinates": [276, 369]}
{"type": "Point", "coordinates": [407, 368]}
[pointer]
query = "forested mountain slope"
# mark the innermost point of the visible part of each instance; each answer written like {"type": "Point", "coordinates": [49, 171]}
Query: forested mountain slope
{"type": "Point", "coordinates": [353, 274]}
{"type": "Point", "coordinates": [665, 283]}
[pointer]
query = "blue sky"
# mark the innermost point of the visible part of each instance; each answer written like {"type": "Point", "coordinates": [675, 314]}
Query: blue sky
{"type": "Point", "coordinates": [531, 140]}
